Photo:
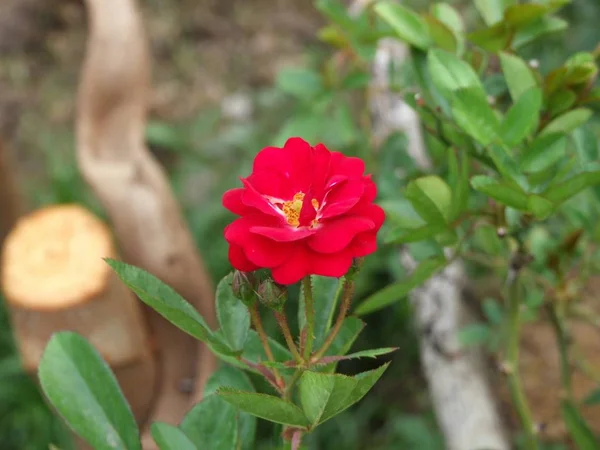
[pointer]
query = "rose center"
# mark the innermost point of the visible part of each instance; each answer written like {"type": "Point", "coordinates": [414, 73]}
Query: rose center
{"type": "Point", "coordinates": [292, 210]}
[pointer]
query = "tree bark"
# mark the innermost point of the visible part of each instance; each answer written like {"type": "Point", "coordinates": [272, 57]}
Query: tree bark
{"type": "Point", "coordinates": [54, 279]}
{"type": "Point", "coordinates": [134, 190]}
{"type": "Point", "coordinates": [11, 205]}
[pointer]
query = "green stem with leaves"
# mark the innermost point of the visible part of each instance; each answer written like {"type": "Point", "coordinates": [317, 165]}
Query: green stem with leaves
{"type": "Point", "coordinates": [512, 358]}
{"type": "Point", "coordinates": [344, 308]}
{"type": "Point", "coordinates": [309, 309]}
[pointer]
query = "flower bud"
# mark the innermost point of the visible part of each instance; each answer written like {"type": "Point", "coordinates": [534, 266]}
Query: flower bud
{"type": "Point", "coordinates": [272, 295]}
{"type": "Point", "coordinates": [243, 285]}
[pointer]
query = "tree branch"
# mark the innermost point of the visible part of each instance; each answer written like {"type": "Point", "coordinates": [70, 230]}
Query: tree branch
{"type": "Point", "coordinates": [133, 188]}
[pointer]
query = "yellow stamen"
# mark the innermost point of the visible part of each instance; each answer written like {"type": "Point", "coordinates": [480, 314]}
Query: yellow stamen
{"type": "Point", "coordinates": [315, 203]}
{"type": "Point", "coordinates": [292, 208]}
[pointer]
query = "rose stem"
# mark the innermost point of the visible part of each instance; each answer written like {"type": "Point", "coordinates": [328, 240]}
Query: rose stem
{"type": "Point", "coordinates": [296, 439]}
{"type": "Point", "coordinates": [563, 343]}
{"type": "Point", "coordinates": [512, 355]}
{"type": "Point", "coordinates": [344, 307]}
{"type": "Point", "coordinates": [287, 334]}
{"type": "Point", "coordinates": [254, 314]}
{"type": "Point", "coordinates": [309, 308]}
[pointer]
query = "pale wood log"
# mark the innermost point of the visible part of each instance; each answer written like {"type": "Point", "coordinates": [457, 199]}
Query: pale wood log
{"type": "Point", "coordinates": [54, 279]}
{"type": "Point", "coordinates": [112, 104]}
{"type": "Point", "coordinates": [465, 407]}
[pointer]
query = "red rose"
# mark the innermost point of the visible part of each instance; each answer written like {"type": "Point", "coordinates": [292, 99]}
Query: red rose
{"type": "Point", "coordinates": [304, 210]}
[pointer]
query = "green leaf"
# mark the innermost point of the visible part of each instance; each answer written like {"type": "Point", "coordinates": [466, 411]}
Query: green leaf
{"type": "Point", "coordinates": [586, 144]}
{"type": "Point", "coordinates": [568, 121]}
{"type": "Point", "coordinates": [561, 101]}
{"type": "Point", "coordinates": [449, 73]}
{"type": "Point", "coordinates": [500, 191]}
{"type": "Point", "coordinates": [431, 197]}
{"type": "Point", "coordinates": [408, 25]}
{"type": "Point", "coordinates": [266, 407]}
{"type": "Point", "coordinates": [474, 334]}
{"type": "Point", "coordinates": [520, 15]}
{"type": "Point", "coordinates": [324, 396]}
{"type": "Point", "coordinates": [82, 388]}
{"type": "Point", "coordinates": [560, 192]}
{"type": "Point", "coordinates": [303, 84]}
{"type": "Point", "coordinates": [460, 183]}
{"type": "Point", "coordinates": [522, 118]}
{"type": "Point", "coordinates": [396, 291]}
{"type": "Point", "coordinates": [217, 424]}
{"type": "Point", "coordinates": [213, 423]}
{"type": "Point", "coordinates": [362, 354]}
{"type": "Point", "coordinates": [544, 152]}
{"type": "Point", "coordinates": [540, 207]}
{"type": "Point", "coordinates": [493, 39]}
{"type": "Point", "coordinates": [169, 437]}
{"type": "Point", "coordinates": [399, 211]}
{"type": "Point", "coordinates": [492, 11]}
{"type": "Point", "coordinates": [165, 301]}
{"type": "Point", "coordinates": [442, 35]}
{"type": "Point", "coordinates": [404, 236]}
{"type": "Point", "coordinates": [452, 19]}
{"type": "Point", "coordinates": [537, 29]}
{"type": "Point", "coordinates": [326, 292]}
{"type": "Point", "coordinates": [519, 77]}
{"type": "Point", "coordinates": [579, 430]}
{"type": "Point", "coordinates": [254, 352]}
{"type": "Point", "coordinates": [351, 328]}
{"type": "Point", "coordinates": [474, 115]}
{"type": "Point", "coordinates": [233, 315]}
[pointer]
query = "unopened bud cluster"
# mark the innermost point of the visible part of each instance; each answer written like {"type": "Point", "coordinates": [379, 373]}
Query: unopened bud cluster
{"type": "Point", "coordinates": [243, 286]}
{"type": "Point", "coordinates": [272, 295]}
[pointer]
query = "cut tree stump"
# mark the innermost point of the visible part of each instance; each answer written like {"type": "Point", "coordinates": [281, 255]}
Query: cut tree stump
{"type": "Point", "coordinates": [54, 278]}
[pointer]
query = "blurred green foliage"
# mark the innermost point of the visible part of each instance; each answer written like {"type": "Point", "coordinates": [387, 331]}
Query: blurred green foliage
{"type": "Point", "coordinates": [207, 154]}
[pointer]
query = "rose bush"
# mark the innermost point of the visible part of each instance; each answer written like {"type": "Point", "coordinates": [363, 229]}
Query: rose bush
{"type": "Point", "coordinates": [303, 210]}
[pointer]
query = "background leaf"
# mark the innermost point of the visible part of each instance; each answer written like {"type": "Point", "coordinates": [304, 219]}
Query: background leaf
{"type": "Point", "coordinates": [82, 388]}
{"type": "Point", "coordinates": [408, 25]}
{"type": "Point", "coordinates": [165, 301]}
{"type": "Point", "coordinates": [396, 291]}
{"type": "Point", "coordinates": [519, 77]}
{"type": "Point", "coordinates": [169, 437]}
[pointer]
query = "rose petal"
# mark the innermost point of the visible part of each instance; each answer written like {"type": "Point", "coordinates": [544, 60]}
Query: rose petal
{"type": "Point", "coordinates": [271, 158]}
{"type": "Point", "coordinates": [238, 259]}
{"type": "Point", "coordinates": [294, 268]}
{"type": "Point", "coordinates": [258, 250]}
{"type": "Point", "coordinates": [251, 197]}
{"type": "Point", "coordinates": [270, 183]}
{"type": "Point", "coordinates": [342, 198]}
{"type": "Point", "coordinates": [232, 200]}
{"type": "Point", "coordinates": [347, 165]}
{"type": "Point", "coordinates": [283, 233]}
{"type": "Point", "coordinates": [363, 244]}
{"type": "Point", "coordinates": [372, 211]}
{"type": "Point", "coordinates": [332, 265]}
{"type": "Point", "coordinates": [337, 234]}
